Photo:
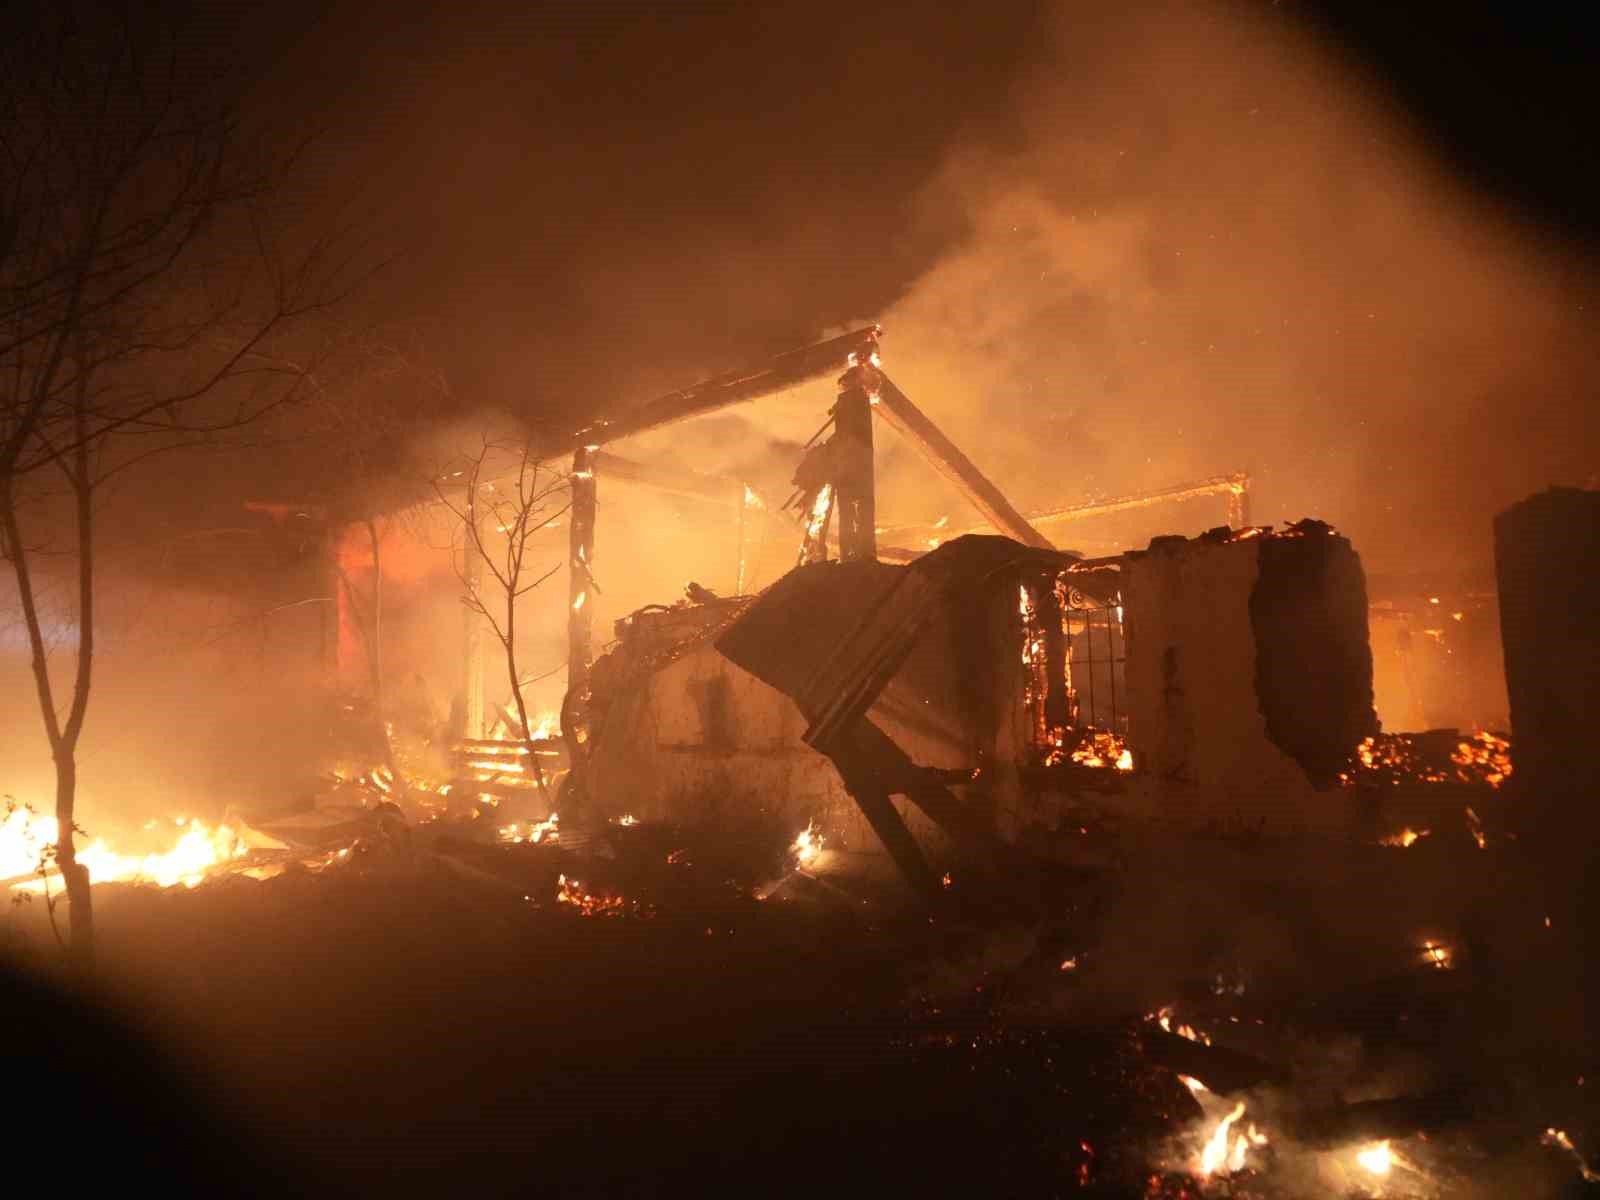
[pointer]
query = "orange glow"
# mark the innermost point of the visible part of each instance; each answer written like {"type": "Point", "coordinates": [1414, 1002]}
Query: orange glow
{"type": "Point", "coordinates": [25, 838]}
{"type": "Point", "coordinates": [1483, 758]}
{"type": "Point", "coordinates": [1164, 1018]}
{"type": "Point", "coordinates": [536, 832]}
{"type": "Point", "coordinates": [1104, 750]}
{"type": "Point", "coordinates": [807, 845]}
{"type": "Point", "coordinates": [1406, 837]}
{"type": "Point", "coordinates": [1225, 1152]}
{"type": "Point", "coordinates": [571, 892]}
{"type": "Point", "coordinates": [1475, 827]}
{"type": "Point", "coordinates": [1377, 1159]}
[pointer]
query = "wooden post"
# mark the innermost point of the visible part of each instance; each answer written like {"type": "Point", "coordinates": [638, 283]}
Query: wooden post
{"type": "Point", "coordinates": [852, 463]}
{"type": "Point", "coordinates": [472, 639]}
{"type": "Point", "coordinates": [580, 586]}
{"type": "Point", "coordinates": [1238, 507]}
{"type": "Point", "coordinates": [744, 506]}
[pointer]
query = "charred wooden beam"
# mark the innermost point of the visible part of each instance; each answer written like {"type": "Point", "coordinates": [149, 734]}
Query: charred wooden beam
{"type": "Point", "coordinates": [1236, 485]}
{"type": "Point", "coordinates": [473, 642]}
{"type": "Point", "coordinates": [871, 796]}
{"type": "Point", "coordinates": [580, 586]}
{"type": "Point", "coordinates": [896, 408]}
{"type": "Point", "coordinates": [1239, 506]}
{"type": "Point", "coordinates": [852, 463]}
{"type": "Point", "coordinates": [873, 752]}
{"type": "Point", "coordinates": [1057, 699]}
{"type": "Point", "coordinates": [775, 375]}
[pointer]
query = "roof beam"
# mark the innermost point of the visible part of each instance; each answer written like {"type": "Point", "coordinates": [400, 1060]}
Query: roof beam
{"type": "Point", "coordinates": [895, 407]}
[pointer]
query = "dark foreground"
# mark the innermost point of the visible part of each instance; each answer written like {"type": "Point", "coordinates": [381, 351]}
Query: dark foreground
{"type": "Point", "coordinates": [406, 1025]}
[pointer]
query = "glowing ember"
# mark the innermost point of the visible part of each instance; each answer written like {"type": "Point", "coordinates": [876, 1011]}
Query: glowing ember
{"type": "Point", "coordinates": [1377, 1159]}
{"type": "Point", "coordinates": [26, 839]}
{"type": "Point", "coordinates": [1559, 1139]}
{"type": "Point", "coordinates": [1476, 828]}
{"type": "Point", "coordinates": [1193, 1084]}
{"type": "Point", "coordinates": [808, 845]}
{"type": "Point", "coordinates": [578, 603]}
{"type": "Point", "coordinates": [537, 831]}
{"type": "Point", "coordinates": [1396, 758]}
{"type": "Point", "coordinates": [1102, 749]}
{"type": "Point", "coordinates": [571, 892]}
{"type": "Point", "coordinates": [1436, 955]}
{"type": "Point", "coordinates": [1406, 837]}
{"type": "Point", "coordinates": [1069, 964]}
{"type": "Point", "coordinates": [1483, 758]}
{"type": "Point", "coordinates": [626, 819]}
{"type": "Point", "coordinates": [1164, 1018]}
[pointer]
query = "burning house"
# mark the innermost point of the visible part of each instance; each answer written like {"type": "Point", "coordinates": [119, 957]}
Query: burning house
{"type": "Point", "coordinates": [976, 690]}
{"type": "Point", "coordinates": [991, 684]}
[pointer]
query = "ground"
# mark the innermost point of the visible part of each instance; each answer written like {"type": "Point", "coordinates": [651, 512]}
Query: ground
{"type": "Point", "coordinates": [408, 1022]}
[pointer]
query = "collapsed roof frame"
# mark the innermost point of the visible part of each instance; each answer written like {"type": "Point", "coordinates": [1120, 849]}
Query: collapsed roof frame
{"type": "Point", "coordinates": [836, 474]}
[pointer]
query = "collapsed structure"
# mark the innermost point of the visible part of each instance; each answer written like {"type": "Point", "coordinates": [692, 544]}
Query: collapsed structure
{"type": "Point", "coordinates": [903, 685]}
{"type": "Point", "coordinates": [977, 692]}
{"type": "Point", "coordinates": [970, 691]}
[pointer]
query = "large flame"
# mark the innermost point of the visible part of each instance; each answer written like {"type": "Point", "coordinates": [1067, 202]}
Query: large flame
{"type": "Point", "coordinates": [807, 845]}
{"type": "Point", "coordinates": [1226, 1151]}
{"type": "Point", "coordinates": [1376, 1159]}
{"type": "Point", "coordinates": [26, 838]}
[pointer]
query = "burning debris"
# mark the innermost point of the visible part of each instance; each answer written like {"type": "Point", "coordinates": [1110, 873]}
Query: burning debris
{"type": "Point", "coordinates": [1481, 759]}
{"type": "Point", "coordinates": [807, 846]}
{"type": "Point", "coordinates": [1559, 1139]}
{"type": "Point", "coordinates": [1226, 1150]}
{"type": "Point", "coordinates": [573, 894]}
{"type": "Point", "coordinates": [534, 832]}
{"type": "Point", "coordinates": [1406, 837]}
{"type": "Point", "coordinates": [27, 852]}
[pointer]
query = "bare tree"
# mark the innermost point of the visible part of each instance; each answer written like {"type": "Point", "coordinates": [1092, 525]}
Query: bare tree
{"type": "Point", "coordinates": [503, 498]}
{"type": "Point", "coordinates": [145, 296]}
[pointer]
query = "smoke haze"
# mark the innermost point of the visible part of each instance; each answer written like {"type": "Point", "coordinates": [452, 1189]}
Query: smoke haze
{"type": "Point", "coordinates": [1111, 250]}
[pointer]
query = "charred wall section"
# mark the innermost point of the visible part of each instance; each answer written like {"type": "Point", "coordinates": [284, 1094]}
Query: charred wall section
{"type": "Point", "coordinates": [1547, 560]}
{"type": "Point", "coordinates": [1308, 610]}
{"type": "Point", "coordinates": [1249, 672]}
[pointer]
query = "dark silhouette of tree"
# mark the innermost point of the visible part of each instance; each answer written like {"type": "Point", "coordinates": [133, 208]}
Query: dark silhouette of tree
{"type": "Point", "coordinates": [148, 301]}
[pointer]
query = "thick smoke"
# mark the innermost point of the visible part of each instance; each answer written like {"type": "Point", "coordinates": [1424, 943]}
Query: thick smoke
{"type": "Point", "coordinates": [1181, 241]}
{"type": "Point", "coordinates": [1215, 249]}
{"type": "Point", "coordinates": [1211, 246]}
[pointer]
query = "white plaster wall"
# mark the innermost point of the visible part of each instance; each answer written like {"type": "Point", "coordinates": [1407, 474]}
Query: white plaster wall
{"type": "Point", "coordinates": [1197, 733]}
{"type": "Point", "coordinates": [656, 759]}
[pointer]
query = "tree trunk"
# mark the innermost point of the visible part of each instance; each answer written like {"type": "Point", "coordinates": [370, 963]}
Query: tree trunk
{"type": "Point", "coordinates": [80, 901]}
{"type": "Point", "coordinates": [63, 737]}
